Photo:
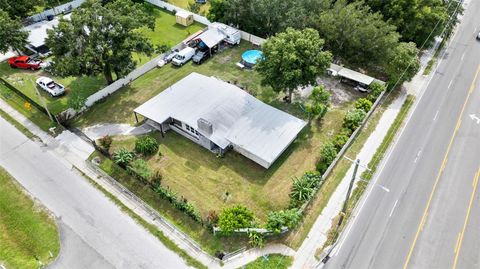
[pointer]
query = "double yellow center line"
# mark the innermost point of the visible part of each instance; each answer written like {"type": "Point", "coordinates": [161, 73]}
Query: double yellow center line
{"type": "Point", "coordinates": [444, 163]}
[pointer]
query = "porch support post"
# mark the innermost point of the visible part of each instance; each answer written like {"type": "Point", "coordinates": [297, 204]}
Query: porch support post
{"type": "Point", "coordinates": [136, 118]}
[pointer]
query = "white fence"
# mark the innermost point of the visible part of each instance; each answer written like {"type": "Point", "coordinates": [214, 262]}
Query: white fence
{"type": "Point", "coordinates": [54, 11]}
{"type": "Point", "coordinates": [252, 38]}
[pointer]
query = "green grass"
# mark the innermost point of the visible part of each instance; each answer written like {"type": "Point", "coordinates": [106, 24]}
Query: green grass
{"type": "Point", "coordinates": [184, 4]}
{"type": "Point", "coordinates": [373, 165]}
{"type": "Point", "coordinates": [30, 112]}
{"type": "Point", "coordinates": [151, 228]}
{"type": "Point", "coordinates": [273, 261]}
{"type": "Point", "coordinates": [27, 232]}
{"type": "Point", "coordinates": [166, 31]}
{"type": "Point", "coordinates": [17, 125]}
{"type": "Point", "coordinates": [209, 242]}
{"type": "Point", "coordinates": [24, 80]}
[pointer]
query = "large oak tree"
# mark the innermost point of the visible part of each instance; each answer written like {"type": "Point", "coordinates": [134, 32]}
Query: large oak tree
{"type": "Point", "coordinates": [11, 34]}
{"type": "Point", "coordinates": [100, 39]}
{"type": "Point", "coordinates": [292, 59]}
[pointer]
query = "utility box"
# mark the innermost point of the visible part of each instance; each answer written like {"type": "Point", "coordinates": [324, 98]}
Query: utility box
{"type": "Point", "coordinates": [184, 18]}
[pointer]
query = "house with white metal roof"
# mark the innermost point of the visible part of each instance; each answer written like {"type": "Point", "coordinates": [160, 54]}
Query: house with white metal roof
{"type": "Point", "coordinates": [218, 116]}
{"type": "Point", "coordinates": [37, 33]}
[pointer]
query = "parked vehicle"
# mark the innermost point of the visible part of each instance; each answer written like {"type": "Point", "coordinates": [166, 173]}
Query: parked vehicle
{"type": "Point", "coordinates": [183, 56]}
{"type": "Point", "coordinates": [50, 86]}
{"type": "Point", "coordinates": [24, 62]}
{"type": "Point", "coordinates": [361, 89]}
{"type": "Point", "coordinates": [232, 35]}
{"type": "Point", "coordinates": [168, 58]}
{"type": "Point", "coordinates": [201, 56]}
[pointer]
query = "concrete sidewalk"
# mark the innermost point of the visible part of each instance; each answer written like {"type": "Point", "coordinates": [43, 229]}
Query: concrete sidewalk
{"type": "Point", "coordinates": [75, 151]}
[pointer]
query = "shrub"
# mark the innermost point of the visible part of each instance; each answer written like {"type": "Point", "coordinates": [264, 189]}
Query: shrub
{"type": "Point", "coordinates": [353, 119]}
{"type": "Point", "coordinates": [304, 188]}
{"type": "Point", "coordinates": [321, 167]}
{"type": "Point", "coordinates": [277, 220]}
{"type": "Point", "coordinates": [363, 104]}
{"type": "Point", "coordinates": [375, 90]}
{"type": "Point", "coordinates": [256, 239]}
{"type": "Point", "coordinates": [123, 157]}
{"type": "Point", "coordinates": [156, 178]}
{"type": "Point", "coordinates": [340, 140]}
{"type": "Point", "coordinates": [235, 217]}
{"type": "Point", "coordinates": [146, 145]}
{"type": "Point", "coordinates": [105, 142]}
{"type": "Point", "coordinates": [328, 153]}
{"type": "Point", "coordinates": [212, 218]}
{"type": "Point", "coordinates": [140, 168]}
{"type": "Point", "coordinates": [181, 204]}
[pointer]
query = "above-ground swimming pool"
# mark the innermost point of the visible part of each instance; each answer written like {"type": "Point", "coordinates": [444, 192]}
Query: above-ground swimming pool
{"type": "Point", "coordinates": [250, 57]}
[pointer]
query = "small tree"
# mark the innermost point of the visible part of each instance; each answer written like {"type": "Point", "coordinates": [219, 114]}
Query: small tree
{"type": "Point", "coordinates": [105, 142]}
{"type": "Point", "coordinates": [353, 119]}
{"type": "Point", "coordinates": [194, 7]}
{"type": "Point", "coordinates": [123, 157]}
{"type": "Point", "coordinates": [340, 140]}
{"type": "Point", "coordinates": [328, 152]}
{"type": "Point", "coordinates": [375, 90]}
{"type": "Point", "coordinates": [318, 103]}
{"type": "Point", "coordinates": [277, 220]}
{"type": "Point", "coordinates": [256, 239]}
{"type": "Point", "coordinates": [303, 188]}
{"type": "Point", "coordinates": [363, 104]}
{"type": "Point", "coordinates": [140, 168]}
{"type": "Point", "coordinates": [76, 101]}
{"type": "Point", "coordinates": [146, 145]}
{"type": "Point", "coordinates": [235, 217]}
{"type": "Point", "coordinates": [292, 59]}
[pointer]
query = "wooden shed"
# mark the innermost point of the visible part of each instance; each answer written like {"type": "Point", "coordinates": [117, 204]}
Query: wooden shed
{"type": "Point", "coordinates": [184, 18]}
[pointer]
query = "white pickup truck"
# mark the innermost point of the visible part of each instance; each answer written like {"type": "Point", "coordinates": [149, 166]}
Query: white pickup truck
{"type": "Point", "coordinates": [50, 86]}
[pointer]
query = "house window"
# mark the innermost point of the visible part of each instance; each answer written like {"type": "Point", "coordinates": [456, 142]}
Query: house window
{"type": "Point", "coordinates": [176, 122]}
{"type": "Point", "coordinates": [187, 126]}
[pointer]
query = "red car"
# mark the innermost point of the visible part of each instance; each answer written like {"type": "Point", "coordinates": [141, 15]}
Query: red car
{"type": "Point", "coordinates": [24, 62]}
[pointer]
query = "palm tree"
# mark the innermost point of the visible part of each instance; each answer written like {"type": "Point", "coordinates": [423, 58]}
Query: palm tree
{"type": "Point", "coordinates": [123, 157]}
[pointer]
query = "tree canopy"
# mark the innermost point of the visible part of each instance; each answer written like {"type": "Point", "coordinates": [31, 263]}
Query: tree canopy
{"type": "Point", "coordinates": [402, 63]}
{"type": "Point", "coordinates": [234, 218]}
{"type": "Point", "coordinates": [416, 20]}
{"type": "Point", "coordinates": [11, 33]}
{"type": "Point", "coordinates": [293, 58]}
{"type": "Point", "coordinates": [100, 39]}
{"type": "Point", "coordinates": [354, 33]}
{"type": "Point", "coordinates": [18, 8]}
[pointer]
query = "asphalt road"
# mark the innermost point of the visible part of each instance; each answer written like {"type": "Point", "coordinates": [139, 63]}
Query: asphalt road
{"type": "Point", "coordinates": [423, 208]}
{"type": "Point", "coordinates": [95, 233]}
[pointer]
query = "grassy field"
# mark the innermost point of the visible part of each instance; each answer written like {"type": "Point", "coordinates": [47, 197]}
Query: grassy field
{"type": "Point", "coordinates": [184, 4]}
{"type": "Point", "coordinates": [24, 80]}
{"type": "Point", "coordinates": [167, 31]}
{"type": "Point", "coordinates": [30, 112]}
{"type": "Point", "coordinates": [274, 261]}
{"type": "Point", "coordinates": [27, 232]}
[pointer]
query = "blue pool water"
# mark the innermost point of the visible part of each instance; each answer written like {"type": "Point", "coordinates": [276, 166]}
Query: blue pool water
{"type": "Point", "coordinates": [252, 56]}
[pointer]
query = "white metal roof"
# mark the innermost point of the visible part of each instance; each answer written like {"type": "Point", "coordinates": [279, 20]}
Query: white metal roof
{"type": "Point", "coordinates": [38, 31]}
{"type": "Point", "coordinates": [356, 76]}
{"type": "Point", "coordinates": [237, 117]}
{"type": "Point", "coordinates": [212, 37]}
{"type": "Point", "coordinates": [183, 14]}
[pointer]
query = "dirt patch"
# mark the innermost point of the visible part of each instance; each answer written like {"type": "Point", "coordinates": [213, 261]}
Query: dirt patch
{"type": "Point", "coordinates": [341, 93]}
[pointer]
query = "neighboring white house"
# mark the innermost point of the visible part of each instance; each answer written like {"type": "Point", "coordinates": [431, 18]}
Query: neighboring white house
{"type": "Point", "coordinates": [219, 115]}
{"type": "Point", "coordinates": [38, 34]}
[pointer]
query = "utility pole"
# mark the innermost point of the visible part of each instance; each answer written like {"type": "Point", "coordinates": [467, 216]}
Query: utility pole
{"type": "Point", "coordinates": [350, 187]}
{"type": "Point", "coordinates": [44, 103]}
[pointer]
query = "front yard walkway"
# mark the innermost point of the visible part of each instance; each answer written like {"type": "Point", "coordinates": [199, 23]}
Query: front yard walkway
{"type": "Point", "coordinates": [100, 130]}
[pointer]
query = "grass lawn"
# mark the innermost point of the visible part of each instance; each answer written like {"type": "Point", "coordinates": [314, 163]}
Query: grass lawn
{"type": "Point", "coordinates": [24, 80]}
{"type": "Point", "coordinates": [167, 31]}
{"type": "Point", "coordinates": [30, 112]}
{"type": "Point", "coordinates": [27, 231]}
{"type": "Point", "coordinates": [274, 261]}
{"type": "Point", "coordinates": [184, 4]}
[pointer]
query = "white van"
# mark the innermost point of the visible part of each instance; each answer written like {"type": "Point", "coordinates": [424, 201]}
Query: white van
{"type": "Point", "coordinates": [183, 56]}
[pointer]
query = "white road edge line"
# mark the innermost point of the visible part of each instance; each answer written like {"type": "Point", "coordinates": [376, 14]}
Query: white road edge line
{"type": "Point", "coordinates": [391, 149]}
{"type": "Point", "coordinates": [393, 208]}
{"type": "Point", "coordinates": [450, 84]}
